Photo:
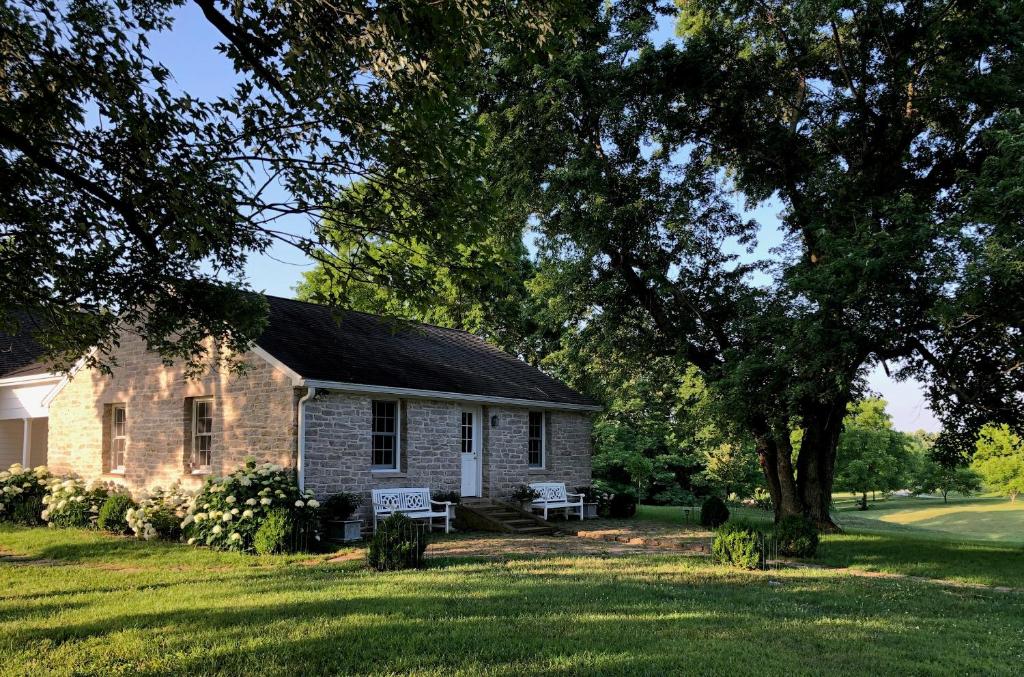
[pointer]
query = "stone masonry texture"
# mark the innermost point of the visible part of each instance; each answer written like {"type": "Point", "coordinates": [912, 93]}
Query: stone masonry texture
{"type": "Point", "coordinates": [338, 444]}
{"type": "Point", "coordinates": [254, 415]}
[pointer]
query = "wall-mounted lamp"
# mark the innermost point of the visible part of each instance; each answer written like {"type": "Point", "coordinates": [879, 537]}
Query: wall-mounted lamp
{"type": "Point", "coordinates": [494, 421]}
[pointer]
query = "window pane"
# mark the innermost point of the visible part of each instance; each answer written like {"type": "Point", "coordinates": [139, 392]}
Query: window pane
{"type": "Point", "coordinates": [384, 429]}
{"type": "Point", "coordinates": [535, 443]}
{"type": "Point", "coordinates": [384, 450]}
{"type": "Point", "coordinates": [203, 450]}
{"type": "Point", "coordinates": [467, 432]}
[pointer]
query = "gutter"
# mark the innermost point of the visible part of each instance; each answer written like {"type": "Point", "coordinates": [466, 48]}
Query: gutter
{"type": "Point", "coordinates": [362, 388]}
{"type": "Point", "coordinates": [300, 461]}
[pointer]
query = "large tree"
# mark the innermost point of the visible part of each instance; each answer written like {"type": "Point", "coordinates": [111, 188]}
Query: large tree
{"type": "Point", "coordinates": [128, 204]}
{"type": "Point", "coordinates": [866, 121]}
{"type": "Point", "coordinates": [999, 460]}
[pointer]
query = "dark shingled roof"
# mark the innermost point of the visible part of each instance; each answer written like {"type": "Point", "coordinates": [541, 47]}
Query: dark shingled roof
{"type": "Point", "coordinates": [19, 353]}
{"type": "Point", "coordinates": [353, 347]}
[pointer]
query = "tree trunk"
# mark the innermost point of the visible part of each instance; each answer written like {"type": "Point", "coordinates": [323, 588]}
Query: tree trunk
{"type": "Point", "coordinates": [864, 501]}
{"type": "Point", "coordinates": [817, 461]}
{"type": "Point", "coordinates": [775, 453]}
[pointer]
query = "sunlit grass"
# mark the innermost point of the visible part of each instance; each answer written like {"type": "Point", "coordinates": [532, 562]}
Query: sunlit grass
{"type": "Point", "coordinates": [980, 518]}
{"type": "Point", "coordinates": [84, 603]}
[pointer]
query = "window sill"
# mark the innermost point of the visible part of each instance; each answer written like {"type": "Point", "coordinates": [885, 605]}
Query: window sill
{"type": "Point", "coordinates": [387, 473]}
{"type": "Point", "coordinates": [116, 472]}
{"type": "Point", "coordinates": [205, 471]}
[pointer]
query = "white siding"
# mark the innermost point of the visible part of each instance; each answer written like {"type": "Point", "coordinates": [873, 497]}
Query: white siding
{"type": "Point", "coordinates": [10, 443]}
{"type": "Point", "coordinates": [20, 401]}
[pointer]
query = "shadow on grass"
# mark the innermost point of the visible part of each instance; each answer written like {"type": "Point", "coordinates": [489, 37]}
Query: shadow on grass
{"type": "Point", "coordinates": [542, 615]}
{"type": "Point", "coordinates": [971, 561]}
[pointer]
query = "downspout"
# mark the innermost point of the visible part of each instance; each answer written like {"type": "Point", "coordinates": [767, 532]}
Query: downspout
{"type": "Point", "coordinates": [26, 443]}
{"type": "Point", "coordinates": [300, 461]}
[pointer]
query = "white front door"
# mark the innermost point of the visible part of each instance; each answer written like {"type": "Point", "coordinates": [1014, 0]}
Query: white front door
{"type": "Point", "coordinates": [469, 433]}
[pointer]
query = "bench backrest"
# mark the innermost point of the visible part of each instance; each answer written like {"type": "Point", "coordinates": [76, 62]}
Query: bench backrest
{"type": "Point", "coordinates": [401, 500]}
{"type": "Point", "coordinates": [551, 492]}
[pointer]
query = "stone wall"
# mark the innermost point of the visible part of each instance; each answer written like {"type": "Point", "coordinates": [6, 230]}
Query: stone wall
{"type": "Point", "coordinates": [254, 414]}
{"type": "Point", "coordinates": [338, 444]}
{"type": "Point", "coordinates": [568, 450]}
{"type": "Point", "coordinates": [338, 447]}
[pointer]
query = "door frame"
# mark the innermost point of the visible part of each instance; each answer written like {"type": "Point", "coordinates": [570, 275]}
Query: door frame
{"type": "Point", "coordinates": [478, 445]}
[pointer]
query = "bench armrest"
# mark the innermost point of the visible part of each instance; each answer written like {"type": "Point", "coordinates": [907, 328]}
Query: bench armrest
{"type": "Point", "coordinates": [444, 503]}
{"type": "Point", "coordinates": [569, 493]}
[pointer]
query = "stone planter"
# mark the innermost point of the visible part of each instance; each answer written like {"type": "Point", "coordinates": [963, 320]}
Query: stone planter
{"type": "Point", "coordinates": [589, 511]}
{"type": "Point", "coordinates": [343, 531]}
{"type": "Point", "coordinates": [451, 511]}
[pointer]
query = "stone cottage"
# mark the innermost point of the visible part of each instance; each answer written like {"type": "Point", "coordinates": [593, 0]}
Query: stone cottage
{"type": "Point", "coordinates": [352, 402]}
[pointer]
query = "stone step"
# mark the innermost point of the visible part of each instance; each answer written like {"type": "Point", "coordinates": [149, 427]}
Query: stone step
{"type": "Point", "coordinates": [489, 516]}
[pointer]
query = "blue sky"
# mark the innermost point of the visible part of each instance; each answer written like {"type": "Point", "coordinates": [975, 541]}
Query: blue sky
{"type": "Point", "coordinates": [188, 51]}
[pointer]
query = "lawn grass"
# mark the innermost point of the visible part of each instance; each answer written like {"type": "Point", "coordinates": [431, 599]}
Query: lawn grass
{"type": "Point", "coordinates": [874, 544]}
{"type": "Point", "coordinates": [93, 604]}
{"type": "Point", "coordinates": [985, 518]}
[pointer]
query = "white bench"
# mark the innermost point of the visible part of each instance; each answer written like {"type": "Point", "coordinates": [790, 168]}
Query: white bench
{"type": "Point", "coordinates": [413, 503]}
{"type": "Point", "coordinates": [553, 496]}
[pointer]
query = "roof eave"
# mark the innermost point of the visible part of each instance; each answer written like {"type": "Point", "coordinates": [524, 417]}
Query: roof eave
{"type": "Point", "coordinates": [366, 389]}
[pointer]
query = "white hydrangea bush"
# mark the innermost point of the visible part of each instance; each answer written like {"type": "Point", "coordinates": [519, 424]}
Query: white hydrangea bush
{"type": "Point", "coordinates": [70, 502]}
{"type": "Point", "coordinates": [228, 511]}
{"type": "Point", "coordinates": [160, 513]}
{"type": "Point", "coordinates": [21, 494]}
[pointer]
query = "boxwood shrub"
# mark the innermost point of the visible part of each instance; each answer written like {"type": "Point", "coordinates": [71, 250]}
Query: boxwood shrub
{"type": "Point", "coordinates": [113, 515]}
{"type": "Point", "coordinates": [273, 535]}
{"type": "Point", "coordinates": [398, 543]}
{"type": "Point", "coordinates": [796, 536]}
{"type": "Point", "coordinates": [713, 512]}
{"type": "Point", "coordinates": [740, 545]}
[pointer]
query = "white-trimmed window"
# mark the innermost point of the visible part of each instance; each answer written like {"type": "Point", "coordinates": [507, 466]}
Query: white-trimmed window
{"type": "Point", "coordinates": [118, 437]}
{"type": "Point", "coordinates": [385, 435]}
{"type": "Point", "coordinates": [202, 435]}
{"type": "Point", "coordinates": [535, 443]}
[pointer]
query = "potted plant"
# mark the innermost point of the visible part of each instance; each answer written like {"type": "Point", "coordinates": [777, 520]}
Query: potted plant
{"type": "Point", "coordinates": [335, 515]}
{"type": "Point", "coordinates": [523, 495]}
{"type": "Point", "coordinates": [453, 498]}
{"type": "Point", "coordinates": [589, 501]}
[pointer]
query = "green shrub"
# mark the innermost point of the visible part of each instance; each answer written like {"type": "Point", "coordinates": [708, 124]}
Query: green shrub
{"type": "Point", "coordinates": [713, 512]}
{"type": "Point", "coordinates": [674, 495]}
{"type": "Point", "coordinates": [621, 505]}
{"type": "Point", "coordinates": [273, 536]}
{"type": "Point", "coordinates": [763, 499]}
{"type": "Point", "coordinates": [524, 493]}
{"type": "Point", "coordinates": [796, 536]}
{"type": "Point", "coordinates": [398, 543]}
{"type": "Point", "coordinates": [615, 499]}
{"type": "Point", "coordinates": [340, 506]}
{"type": "Point", "coordinates": [454, 497]}
{"type": "Point", "coordinates": [21, 494]}
{"type": "Point", "coordinates": [228, 511]}
{"type": "Point", "coordinates": [740, 545]}
{"type": "Point", "coordinates": [69, 503]}
{"type": "Point", "coordinates": [113, 514]}
{"type": "Point", "coordinates": [159, 515]}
